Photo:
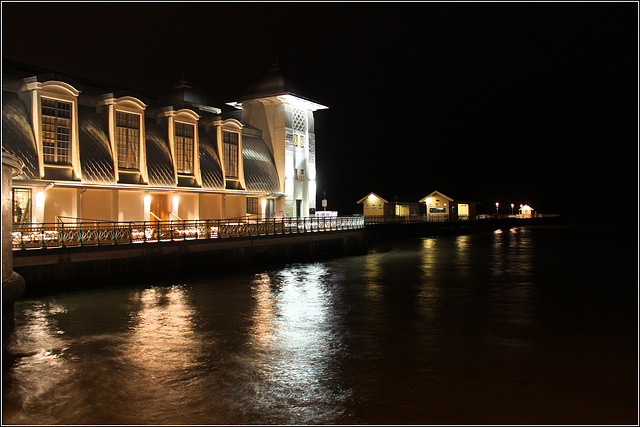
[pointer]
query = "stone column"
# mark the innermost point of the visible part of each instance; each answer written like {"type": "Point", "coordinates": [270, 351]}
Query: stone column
{"type": "Point", "coordinates": [12, 283]}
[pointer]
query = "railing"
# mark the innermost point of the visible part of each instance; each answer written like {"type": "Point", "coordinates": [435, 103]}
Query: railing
{"type": "Point", "coordinates": [98, 233]}
{"type": "Point", "coordinates": [403, 219]}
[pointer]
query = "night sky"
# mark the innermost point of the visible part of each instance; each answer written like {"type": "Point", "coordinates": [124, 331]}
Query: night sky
{"type": "Point", "coordinates": [493, 102]}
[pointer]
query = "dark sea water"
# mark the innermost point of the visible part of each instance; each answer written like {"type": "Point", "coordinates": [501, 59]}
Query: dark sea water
{"type": "Point", "coordinates": [531, 325]}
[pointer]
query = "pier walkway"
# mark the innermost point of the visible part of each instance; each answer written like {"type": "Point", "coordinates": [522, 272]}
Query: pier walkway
{"type": "Point", "coordinates": [29, 236]}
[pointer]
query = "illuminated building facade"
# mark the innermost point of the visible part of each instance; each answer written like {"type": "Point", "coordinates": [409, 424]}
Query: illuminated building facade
{"type": "Point", "coordinates": [274, 105]}
{"type": "Point", "coordinates": [441, 207]}
{"type": "Point", "coordinates": [436, 206]}
{"type": "Point", "coordinates": [374, 205]}
{"type": "Point", "coordinates": [93, 152]}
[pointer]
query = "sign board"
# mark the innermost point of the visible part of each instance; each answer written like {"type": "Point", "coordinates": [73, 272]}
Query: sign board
{"type": "Point", "coordinates": [326, 214]}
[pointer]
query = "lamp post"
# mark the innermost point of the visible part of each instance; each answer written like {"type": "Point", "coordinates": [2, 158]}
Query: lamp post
{"type": "Point", "coordinates": [511, 208]}
{"type": "Point", "coordinates": [428, 205]}
{"type": "Point", "coordinates": [497, 204]}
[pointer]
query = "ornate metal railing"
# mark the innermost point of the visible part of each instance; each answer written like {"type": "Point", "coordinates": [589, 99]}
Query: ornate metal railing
{"type": "Point", "coordinates": [404, 219]}
{"type": "Point", "coordinates": [98, 233]}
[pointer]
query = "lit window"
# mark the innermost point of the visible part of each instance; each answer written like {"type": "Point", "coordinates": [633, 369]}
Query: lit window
{"type": "Point", "coordinates": [252, 205]}
{"type": "Point", "coordinates": [230, 151]}
{"type": "Point", "coordinates": [295, 140]}
{"type": "Point", "coordinates": [56, 131]}
{"type": "Point", "coordinates": [184, 147]}
{"type": "Point", "coordinates": [301, 174]}
{"type": "Point", "coordinates": [21, 204]}
{"type": "Point", "coordinates": [301, 141]}
{"type": "Point", "coordinates": [128, 139]}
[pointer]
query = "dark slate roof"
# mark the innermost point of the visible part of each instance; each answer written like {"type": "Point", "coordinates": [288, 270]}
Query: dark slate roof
{"type": "Point", "coordinates": [159, 163]}
{"type": "Point", "coordinates": [210, 162]}
{"type": "Point", "coordinates": [260, 173]}
{"type": "Point", "coordinates": [17, 134]}
{"type": "Point", "coordinates": [96, 159]}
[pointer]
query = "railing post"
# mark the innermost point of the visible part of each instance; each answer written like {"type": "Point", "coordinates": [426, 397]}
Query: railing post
{"type": "Point", "coordinates": [115, 239]}
{"type": "Point", "coordinates": [98, 233]}
{"type": "Point", "coordinates": [22, 235]}
{"type": "Point", "coordinates": [42, 237]}
{"type": "Point", "coordinates": [158, 230]}
{"type": "Point", "coordinates": [130, 233]}
{"type": "Point", "coordinates": [62, 234]}
{"type": "Point", "coordinates": [81, 239]}
{"type": "Point", "coordinates": [171, 230]}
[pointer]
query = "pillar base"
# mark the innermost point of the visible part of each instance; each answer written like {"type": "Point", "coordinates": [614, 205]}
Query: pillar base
{"type": "Point", "coordinates": [12, 290]}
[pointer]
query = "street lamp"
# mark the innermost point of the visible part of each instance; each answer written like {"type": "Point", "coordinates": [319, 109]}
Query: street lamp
{"type": "Point", "coordinates": [497, 204]}
{"type": "Point", "coordinates": [511, 208]}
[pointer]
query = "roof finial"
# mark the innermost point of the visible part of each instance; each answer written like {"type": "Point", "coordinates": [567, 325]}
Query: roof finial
{"type": "Point", "coordinates": [276, 65]}
{"type": "Point", "coordinates": [182, 82]}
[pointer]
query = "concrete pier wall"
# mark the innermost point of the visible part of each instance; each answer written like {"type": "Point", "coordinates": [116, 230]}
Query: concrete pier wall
{"type": "Point", "coordinates": [55, 270]}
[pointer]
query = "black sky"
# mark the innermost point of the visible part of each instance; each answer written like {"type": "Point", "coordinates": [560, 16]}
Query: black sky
{"type": "Point", "coordinates": [516, 102]}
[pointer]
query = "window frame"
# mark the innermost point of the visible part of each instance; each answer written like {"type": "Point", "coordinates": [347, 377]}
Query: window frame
{"type": "Point", "coordinates": [227, 152]}
{"type": "Point", "coordinates": [32, 92]}
{"type": "Point", "coordinates": [185, 159]}
{"type": "Point", "coordinates": [122, 163]}
{"type": "Point", "coordinates": [253, 205]}
{"type": "Point", "coordinates": [50, 133]}
{"type": "Point", "coordinates": [26, 213]}
{"type": "Point", "coordinates": [130, 105]}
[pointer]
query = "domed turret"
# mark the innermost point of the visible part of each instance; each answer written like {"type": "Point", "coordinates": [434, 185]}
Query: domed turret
{"type": "Point", "coordinates": [272, 83]}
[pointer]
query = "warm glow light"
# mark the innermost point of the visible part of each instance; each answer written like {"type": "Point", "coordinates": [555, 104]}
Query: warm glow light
{"type": "Point", "coordinates": [371, 197]}
{"type": "Point", "coordinates": [429, 200]}
{"type": "Point", "coordinates": [40, 199]}
{"type": "Point", "coordinates": [147, 202]}
{"type": "Point", "coordinates": [300, 103]}
{"type": "Point", "coordinates": [497, 204]}
{"type": "Point", "coordinates": [264, 205]}
{"type": "Point", "coordinates": [176, 202]}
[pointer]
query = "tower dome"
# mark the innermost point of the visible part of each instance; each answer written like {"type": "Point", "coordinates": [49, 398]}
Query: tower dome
{"type": "Point", "coordinates": [272, 83]}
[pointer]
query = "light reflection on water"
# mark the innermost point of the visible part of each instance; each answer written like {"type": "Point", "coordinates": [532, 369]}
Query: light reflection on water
{"type": "Point", "coordinates": [449, 329]}
{"type": "Point", "coordinates": [294, 337]}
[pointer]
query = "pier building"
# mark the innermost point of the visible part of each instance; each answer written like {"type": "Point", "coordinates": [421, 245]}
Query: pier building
{"type": "Point", "coordinates": [374, 205]}
{"type": "Point", "coordinates": [96, 152]}
{"type": "Point", "coordinates": [435, 207]}
{"type": "Point", "coordinates": [444, 208]}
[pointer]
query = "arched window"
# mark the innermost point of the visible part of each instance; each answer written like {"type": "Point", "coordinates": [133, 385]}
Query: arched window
{"type": "Point", "coordinates": [127, 132]}
{"type": "Point", "coordinates": [55, 117]}
{"type": "Point", "coordinates": [56, 130]}
{"type": "Point", "coordinates": [184, 140]}
{"type": "Point", "coordinates": [128, 140]}
{"type": "Point", "coordinates": [230, 153]}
